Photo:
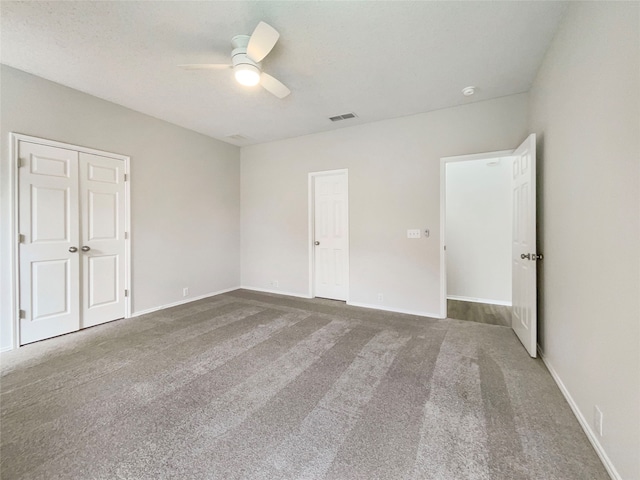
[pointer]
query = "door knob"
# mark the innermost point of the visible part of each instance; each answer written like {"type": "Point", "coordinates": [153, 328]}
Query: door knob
{"type": "Point", "coordinates": [85, 248]}
{"type": "Point", "coordinates": [316, 243]}
{"type": "Point", "coordinates": [527, 256]}
{"type": "Point", "coordinates": [73, 249]}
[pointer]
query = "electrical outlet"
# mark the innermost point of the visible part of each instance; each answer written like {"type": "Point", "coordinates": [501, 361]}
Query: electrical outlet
{"type": "Point", "coordinates": [185, 291]}
{"type": "Point", "coordinates": [380, 298]}
{"type": "Point", "coordinates": [274, 283]}
{"type": "Point", "coordinates": [597, 420]}
{"type": "Point", "coordinates": [413, 233]}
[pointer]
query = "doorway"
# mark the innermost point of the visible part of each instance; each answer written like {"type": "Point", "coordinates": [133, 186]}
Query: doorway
{"type": "Point", "coordinates": [478, 239]}
{"type": "Point", "coordinates": [523, 251]}
{"type": "Point", "coordinates": [72, 251]}
{"type": "Point", "coordinates": [329, 234]}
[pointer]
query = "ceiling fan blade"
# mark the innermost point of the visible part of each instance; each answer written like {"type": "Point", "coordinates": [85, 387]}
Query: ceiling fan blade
{"type": "Point", "coordinates": [273, 85]}
{"type": "Point", "coordinates": [262, 40]}
{"type": "Point", "coordinates": [205, 66]}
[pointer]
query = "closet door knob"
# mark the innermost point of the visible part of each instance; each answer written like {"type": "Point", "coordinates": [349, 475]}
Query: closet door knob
{"type": "Point", "coordinates": [73, 249]}
{"type": "Point", "coordinates": [85, 248]}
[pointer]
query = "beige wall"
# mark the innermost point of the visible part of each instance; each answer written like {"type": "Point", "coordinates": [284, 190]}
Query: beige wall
{"type": "Point", "coordinates": [586, 110]}
{"type": "Point", "coordinates": [394, 184]}
{"type": "Point", "coordinates": [185, 189]}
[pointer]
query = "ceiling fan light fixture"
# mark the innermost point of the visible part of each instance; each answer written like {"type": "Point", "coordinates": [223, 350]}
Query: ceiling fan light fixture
{"type": "Point", "coordinates": [247, 75]}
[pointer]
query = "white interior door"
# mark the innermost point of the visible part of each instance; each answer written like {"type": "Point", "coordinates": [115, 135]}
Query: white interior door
{"type": "Point", "coordinates": [331, 236]}
{"type": "Point", "coordinates": [524, 253]}
{"type": "Point", "coordinates": [102, 196]}
{"type": "Point", "coordinates": [49, 252]}
{"type": "Point", "coordinates": [72, 250]}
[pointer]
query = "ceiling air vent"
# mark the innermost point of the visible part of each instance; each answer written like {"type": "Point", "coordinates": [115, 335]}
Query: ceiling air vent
{"type": "Point", "coordinates": [345, 116]}
{"type": "Point", "coordinates": [237, 137]}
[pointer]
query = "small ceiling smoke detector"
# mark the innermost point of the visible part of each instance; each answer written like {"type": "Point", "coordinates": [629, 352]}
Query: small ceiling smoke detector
{"type": "Point", "coordinates": [468, 91]}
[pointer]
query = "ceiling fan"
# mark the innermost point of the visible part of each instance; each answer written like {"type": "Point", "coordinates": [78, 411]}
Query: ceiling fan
{"type": "Point", "coordinates": [248, 52]}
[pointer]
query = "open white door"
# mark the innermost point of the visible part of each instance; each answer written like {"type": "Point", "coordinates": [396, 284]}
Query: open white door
{"type": "Point", "coordinates": [524, 314]}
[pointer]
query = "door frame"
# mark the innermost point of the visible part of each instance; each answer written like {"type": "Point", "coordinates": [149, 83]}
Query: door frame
{"type": "Point", "coordinates": [311, 226]}
{"type": "Point", "coordinates": [14, 290]}
{"type": "Point", "coordinates": [443, 212]}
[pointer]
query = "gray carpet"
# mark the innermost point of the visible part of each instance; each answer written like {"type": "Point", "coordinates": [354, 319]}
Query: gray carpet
{"type": "Point", "coordinates": [257, 386]}
{"type": "Point", "coordinates": [479, 312]}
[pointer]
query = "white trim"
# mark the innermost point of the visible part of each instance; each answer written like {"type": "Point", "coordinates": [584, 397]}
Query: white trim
{"type": "Point", "coordinates": [593, 439]}
{"type": "Point", "coordinates": [396, 310]}
{"type": "Point", "coordinates": [16, 138]}
{"type": "Point", "coordinates": [443, 255]}
{"type": "Point", "coordinates": [127, 240]}
{"type": "Point", "coordinates": [182, 302]}
{"type": "Point", "coordinates": [311, 218]}
{"type": "Point", "coordinates": [14, 301]}
{"type": "Point", "coordinates": [478, 156]}
{"type": "Point", "coordinates": [443, 210]}
{"type": "Point", "coordinates": [479, 300]}
{"type": "Point", "coordinates": [6, 349]}
{"type": "Point", "coordinates": [310, 204]}
{"type": "Point", "coordinates": [68, 146]}
{"type": "Point", "coordinates": [277, 292]}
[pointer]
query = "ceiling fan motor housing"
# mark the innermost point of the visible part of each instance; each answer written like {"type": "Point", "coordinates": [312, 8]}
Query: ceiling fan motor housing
{"type": "Point", "coordinates": [246, 71]}
{"type": "Point", "coordinates": [239, 52]}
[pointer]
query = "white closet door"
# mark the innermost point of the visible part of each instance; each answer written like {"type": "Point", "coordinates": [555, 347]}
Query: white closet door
{"type": "Point", "coordinates": [49, 251]}
{"type": "Point", "coordinates": [72, 246]}
{"type": "Point", "coordinates": [102, 195]}
{"type": "Point", "coordinates": [331, 230]}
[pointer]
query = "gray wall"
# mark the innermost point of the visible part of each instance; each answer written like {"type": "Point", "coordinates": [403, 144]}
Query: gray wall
{"type": "Point", "coordinates": [185, 189]}
{"type": "Point", "coordinates": [394, 184]}
{"type": "Point", "coordinates": [586, 110]}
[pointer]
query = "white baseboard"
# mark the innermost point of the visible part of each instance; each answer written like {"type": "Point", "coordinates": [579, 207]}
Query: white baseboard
{"type": "Point", "coordinates": [182, 302]}
{"type": "Point", "coordinates": [277, 292]}
{"type": "Point", "coordinates": [6, 349]}
{"type": "Point", "coordinates": [396, 310]}
{"type": "Point", "coordinates": [608, 465]}
{"type": "Point", "coordinates": [478, 300]}
{"type": "Point", "coordinates": [353, 304]}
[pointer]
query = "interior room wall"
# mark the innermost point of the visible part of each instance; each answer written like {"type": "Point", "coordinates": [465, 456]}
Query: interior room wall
{"type": "Point", "coordinates": [585, 109]}
{"type": "Point", "coordinates": [185, 189]}
{"type": "Point", "coordinates": [394, 185]}
{"type": "Point", "coordinates": [478, 230]}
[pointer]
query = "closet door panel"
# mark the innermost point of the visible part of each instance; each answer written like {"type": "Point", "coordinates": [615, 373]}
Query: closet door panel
{"type": "Point", "coordinates": [49, 261]}
{"type": "Point", "coordinates": [102, 196]}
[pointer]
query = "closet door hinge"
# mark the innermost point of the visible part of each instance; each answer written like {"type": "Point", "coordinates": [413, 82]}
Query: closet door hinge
{"type": "Point", "coordinates": [126, 177]}
{"type": "Point", "coordinates": [20, 163]}
{"type": "Point", "coordinates": [126, 235]}
{"type": "Point", "coordinates": [23, 314]}
{"type": "Point", "coordinates": [21, 238]}
{"type": "Point", "coordinates": [126, 293]}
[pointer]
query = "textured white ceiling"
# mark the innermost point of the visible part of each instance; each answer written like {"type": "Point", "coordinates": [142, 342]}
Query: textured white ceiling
{"type": "Point", "coordinates": [377, 59]}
